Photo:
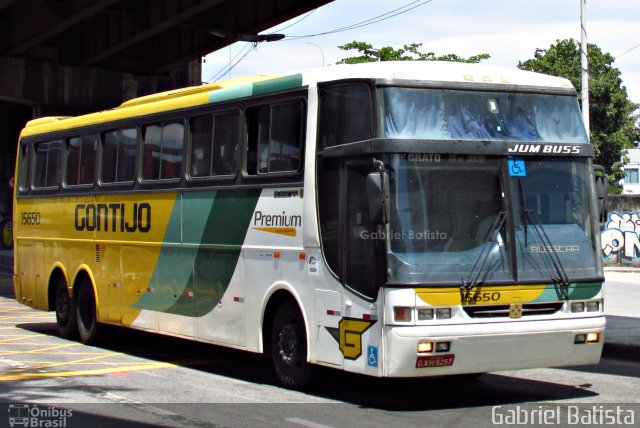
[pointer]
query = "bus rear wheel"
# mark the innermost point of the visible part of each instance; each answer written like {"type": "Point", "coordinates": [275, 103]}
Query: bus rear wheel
{"type": "Point", "coordinates": [65, 311]}
{"type": "Point", "coordinates": [289, 347]}
{"type": "Point", "coordinates": [86, 314]}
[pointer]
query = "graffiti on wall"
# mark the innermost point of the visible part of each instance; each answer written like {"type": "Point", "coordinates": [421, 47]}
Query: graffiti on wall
{"type": "Point", "coordinates": [621, 237]}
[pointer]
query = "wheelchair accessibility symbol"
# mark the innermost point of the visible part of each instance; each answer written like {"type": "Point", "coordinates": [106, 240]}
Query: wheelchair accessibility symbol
{"type": "Point", "coordinates": [517, 167]}
{"type": "Point", "coordinates": [372, 356]}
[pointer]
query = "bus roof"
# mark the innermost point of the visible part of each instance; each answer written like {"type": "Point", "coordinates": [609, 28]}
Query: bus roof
{"type": "Point", "coordinates": [240, 87]}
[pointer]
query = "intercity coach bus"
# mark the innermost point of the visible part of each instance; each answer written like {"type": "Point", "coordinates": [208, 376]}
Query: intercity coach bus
{"type": "Point", "coordinates": [394, 219]}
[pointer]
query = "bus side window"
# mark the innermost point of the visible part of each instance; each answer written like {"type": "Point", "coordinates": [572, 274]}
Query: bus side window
{"type": "Point", "coordinates": [81, 160]}
{"type": "Point", "coordinates": [119, 155]}
{"type": "Point", "coordinates": [214, 144]}
{"type": "Point", "coordinates": [345, 114]}
{"type": "Point", "coordinates": [225, 143]}
{"type": "Point", "coordinates": [257, 119]}
{"type": "Point", "coordinates": [274, 138]}
{"type": "Point", "coordinates": [48, 165]}
{"type": "Point", "coordinates": [286, 137]}
{"type": "Point", "coordinates": [201, 130]}
{"type": "Point", "coordinates": [24, 164]}
{"type": "Point", "coordinates": [162, 154]}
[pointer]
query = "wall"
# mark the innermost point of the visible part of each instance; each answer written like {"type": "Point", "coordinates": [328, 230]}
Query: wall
{"type": "Point", "coordinates": [621, 238]}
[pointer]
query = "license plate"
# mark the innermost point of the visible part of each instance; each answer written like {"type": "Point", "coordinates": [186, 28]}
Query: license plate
{"type": "Point", "coordinates": [428, 361]}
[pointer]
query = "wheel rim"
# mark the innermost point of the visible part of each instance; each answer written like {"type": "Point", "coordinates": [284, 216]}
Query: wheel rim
{"type": "Point", "coordinates": [87, 310]}
{"type": "Point", "coordinates": [288, 345]}
{"type": "Point", "coordinates": [62, 307]}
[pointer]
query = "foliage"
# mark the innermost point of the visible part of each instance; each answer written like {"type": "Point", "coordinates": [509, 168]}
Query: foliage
{"type": "Point", "coordinates": [613, 117]}
{"type": "Point", "coordinates": [407, 53]}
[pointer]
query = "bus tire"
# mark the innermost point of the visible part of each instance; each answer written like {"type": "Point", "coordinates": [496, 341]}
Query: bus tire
{"type": "Point", "coordinates": [6, 234]}
{"type": "Point", "coordinates": [65, 307]}
{"type": "Point", "coordinates": [86, 314]}
{"type": "Point", "coordinates": [289, 347]}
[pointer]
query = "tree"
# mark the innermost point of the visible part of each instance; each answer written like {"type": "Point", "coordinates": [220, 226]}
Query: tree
{"type": "Point", "coordinates": [407, 53]}
{"type": "Point", "coordinates": [613, 117]}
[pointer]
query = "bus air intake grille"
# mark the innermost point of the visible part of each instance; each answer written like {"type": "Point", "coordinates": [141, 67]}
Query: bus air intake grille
{"type": "Point", "coordinates": [502, 311]}
{"type": "Point", "coordinates": [97, 253]}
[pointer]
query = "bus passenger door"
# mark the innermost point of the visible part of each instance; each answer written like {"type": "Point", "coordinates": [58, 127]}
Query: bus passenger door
{"type": "Point", "coordinates": [363, 264]}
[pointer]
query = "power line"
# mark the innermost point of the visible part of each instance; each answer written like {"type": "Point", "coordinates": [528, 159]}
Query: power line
{"type": "Point", "coordinates": [297, 22]}
{"type": "Point", "coordinates": [383, 17]}
{"type": "Point", "coordinates": [627, 51]}
{"type": "Point", "coordinates": [227, 68]}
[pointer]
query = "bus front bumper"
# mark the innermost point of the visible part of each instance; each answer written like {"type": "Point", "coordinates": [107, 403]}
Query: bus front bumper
{"type": "Point", "coordinates": [486, 347]}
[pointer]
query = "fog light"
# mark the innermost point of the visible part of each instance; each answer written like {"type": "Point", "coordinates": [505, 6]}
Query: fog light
{"type": "Point", "coordinates": [593, 306]}
{"type": "Point", "coordinates": [402, 313]}
{"type": "Point", "coordinates": [425, 314]}
{"type": "Point", "coordinates": [577, 307]}
{"type": "Point", "coordinates": [443, 313]}
{"type": "Point", "coordinates": [425, 347]}
{"type": "Point", "coordinates": [593, 337]}
{"type": "Point", "coordinates": [580, 338]}
{"type": "Point", "coordinates": [443, 346]}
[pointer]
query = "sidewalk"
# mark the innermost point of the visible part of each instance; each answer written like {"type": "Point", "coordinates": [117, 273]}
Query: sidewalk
{"type": "Point", "coordinates": [622, 307]}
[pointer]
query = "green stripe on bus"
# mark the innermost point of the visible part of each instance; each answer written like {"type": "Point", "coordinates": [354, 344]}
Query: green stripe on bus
{"type": "Point", "coordinates": [579, 291]}
{"type": "Point", "coordinates": [278, 84]}
{"type": "Point", "coordinates": [187, 275]}
{"type": "Point", "coordinates": [232, 93]}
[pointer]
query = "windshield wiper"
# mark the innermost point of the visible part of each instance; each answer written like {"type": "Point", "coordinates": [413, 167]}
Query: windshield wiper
{"type": "Point", "coordinates": [467, 282]}
{"type": "Point", "coordinates": [532, 218]}
{"type": "Point", "coordinates": [529, 216]}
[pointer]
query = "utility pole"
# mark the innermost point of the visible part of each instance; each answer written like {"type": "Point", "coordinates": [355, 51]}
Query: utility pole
{"type": "Point", "coordinates": [585, 65]}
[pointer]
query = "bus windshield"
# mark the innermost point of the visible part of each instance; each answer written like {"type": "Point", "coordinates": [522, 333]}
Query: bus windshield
{"type": "Point", "coordinates": [457, 217]}
{"type": "Point", "coordinates": [446, 114]}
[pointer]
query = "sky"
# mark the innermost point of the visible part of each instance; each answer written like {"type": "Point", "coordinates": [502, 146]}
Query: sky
{"type": "Point", "coordinates": [508, 30]}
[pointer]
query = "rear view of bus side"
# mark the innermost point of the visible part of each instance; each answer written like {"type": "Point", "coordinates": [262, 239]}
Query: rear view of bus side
{"type": "Point", "coordinates": [391, 219]}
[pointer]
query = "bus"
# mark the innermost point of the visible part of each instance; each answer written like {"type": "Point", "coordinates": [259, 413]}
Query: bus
{"type": "Point", "coordinates": [392, 219]}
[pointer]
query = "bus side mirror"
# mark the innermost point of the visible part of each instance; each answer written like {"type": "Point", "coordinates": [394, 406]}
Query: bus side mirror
{"type": "Point", "coordinates": [601, 187]}
{"type": "Point", "coordinates": [378, 197]}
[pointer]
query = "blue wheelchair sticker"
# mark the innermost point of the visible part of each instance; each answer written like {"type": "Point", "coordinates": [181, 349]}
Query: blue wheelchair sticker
{"type": "Point", "coordinates": [372, 356]}
{"type": "Point", "coordinates": [517, 167]}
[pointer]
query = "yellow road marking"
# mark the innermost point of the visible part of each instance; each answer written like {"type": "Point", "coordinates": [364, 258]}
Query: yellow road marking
{"type": "Point", "coordinates": [12, 317]}
{"type": "Point", "coordinates": [23, 376]}
{"type": "Point", "coordinates": [22, 336]}
{"type": "Point", "coordinates": [38, 351]}
{"type": "Point", "coordinates": [75, 363]}
{"type": "Point", "coordinates": [59, 363]}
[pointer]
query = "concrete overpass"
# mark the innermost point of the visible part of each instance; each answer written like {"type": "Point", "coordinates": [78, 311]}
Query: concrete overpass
{"type": "Point", "coordinates": [67, 57]}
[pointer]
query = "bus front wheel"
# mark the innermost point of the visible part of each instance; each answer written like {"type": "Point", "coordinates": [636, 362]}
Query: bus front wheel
{"type": "Point", "coordinates": [289, 347]}
{"type": "Point", "coordinates": [86, 314]}
{"type": "Point", "coordinates": [65, 311]}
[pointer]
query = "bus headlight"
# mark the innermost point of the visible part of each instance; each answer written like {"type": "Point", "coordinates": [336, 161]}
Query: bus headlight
{"type": "Point", "coordinates": [577, 307]}
{"type": "Point", "coordinates": [425, 347]}
{"type": "Point", "coordinates": [425, 314]}
{"type": "Point", "coordinates": [443, 313]}
{"type": "Point", "coordinates": [589, 306]}
{"type": "Point", "coordinates": [593, 306]}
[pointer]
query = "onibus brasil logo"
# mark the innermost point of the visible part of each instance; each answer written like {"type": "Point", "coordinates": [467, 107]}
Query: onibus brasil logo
{"type": "Point", "coordinates": [32, 415]}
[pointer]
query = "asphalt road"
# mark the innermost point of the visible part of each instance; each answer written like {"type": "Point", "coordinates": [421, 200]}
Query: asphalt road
{"type": "Point", "coordinates": [139, 379]}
